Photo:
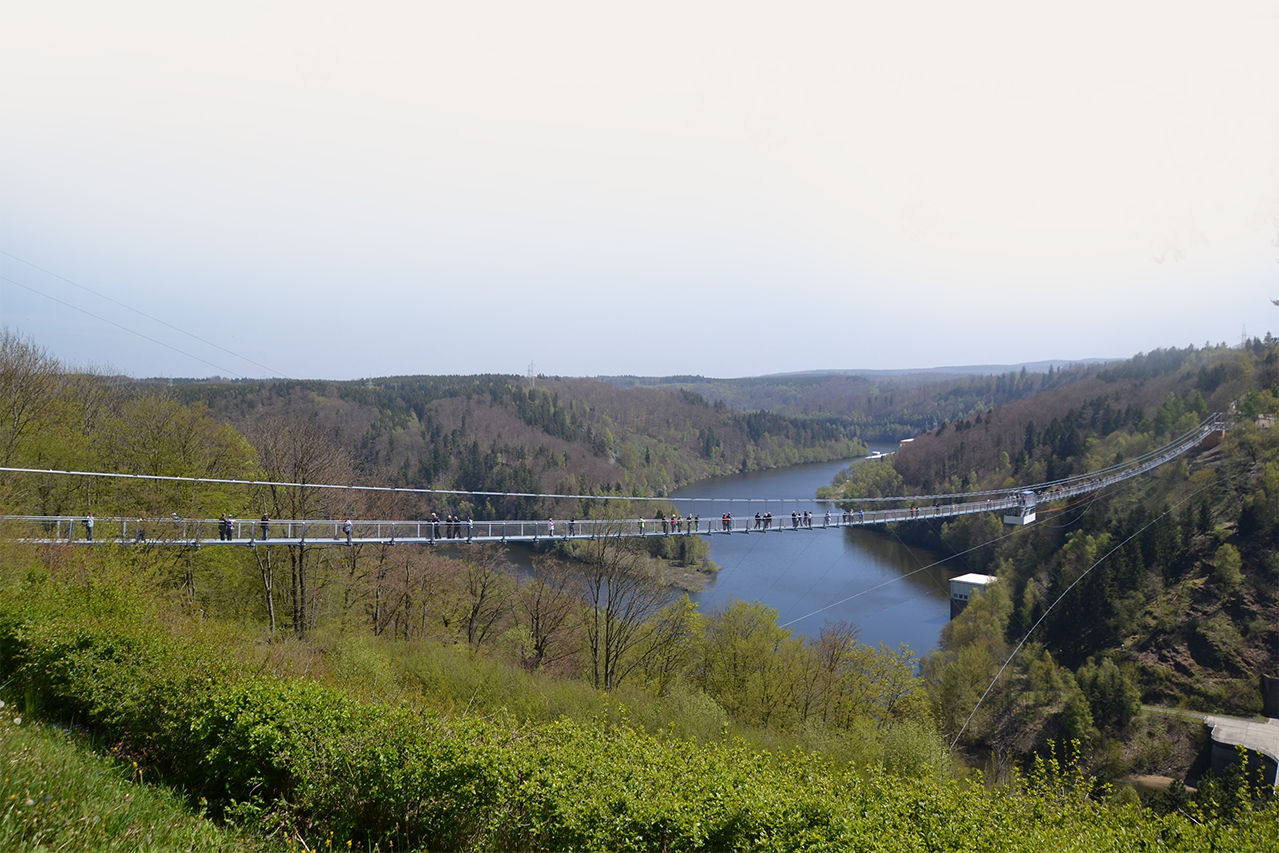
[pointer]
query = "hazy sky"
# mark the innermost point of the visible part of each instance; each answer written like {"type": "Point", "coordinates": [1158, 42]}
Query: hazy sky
{"type": "Point", "coordinates": [345, 190]}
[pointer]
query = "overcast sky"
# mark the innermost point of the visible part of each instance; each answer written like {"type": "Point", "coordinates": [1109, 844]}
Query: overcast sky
{"type": "Point", "coordinates": [345, 190]}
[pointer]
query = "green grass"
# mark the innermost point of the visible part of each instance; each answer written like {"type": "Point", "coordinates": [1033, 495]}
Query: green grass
{"type": "Point", "coordinates": [56, 794]}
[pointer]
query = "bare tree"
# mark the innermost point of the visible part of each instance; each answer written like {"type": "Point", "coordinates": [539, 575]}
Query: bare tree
{"type": "Point", "coordinates": [300, 453]}
{"type": "Point", "coordinates": [826, 664]}
{"type": "Point", "coordinates": [487, 592]}
{"type": "Point", "coordinates": [547, 602]}
{"type": "Point", "coordinates": [621, 591]}
{"type": "Point", "coordinates": [267, 571]}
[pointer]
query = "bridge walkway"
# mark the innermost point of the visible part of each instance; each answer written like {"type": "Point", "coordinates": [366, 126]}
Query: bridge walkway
{"type": "Point", "coordinates": [249, 533]}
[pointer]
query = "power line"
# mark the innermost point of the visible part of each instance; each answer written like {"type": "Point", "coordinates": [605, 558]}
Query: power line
{"type": "Point", "coordinates": [893, 580]}
{"type": "Point", "coordinates": [140, 313]}
{"type": "Point", "coordinates": [118, 326]}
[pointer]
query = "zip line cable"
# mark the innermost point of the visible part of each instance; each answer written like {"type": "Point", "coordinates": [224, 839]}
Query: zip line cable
{"type": "Point", "coordinates": [741, 562]}
{"type": "Point", "coordinates": [1067, 590]}
{"type": "Point", "coordinates": [118, 326]}
{"type": "Point", "coordinates": [843, 557]}
{"type": "Point", "coordinates": [778, 575]}
{"type": "Point", "coordinates": [140, 313]}
{"type": "Point", "coordinates": [1012, 532]}
{"type": "Point", "coordinates": [908, 574]}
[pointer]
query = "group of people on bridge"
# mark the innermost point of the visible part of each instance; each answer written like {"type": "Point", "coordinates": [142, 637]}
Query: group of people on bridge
{"type": "Point", "coordinates": [452, 527]}
{"type": "Point", "coordinates": [676, 523]}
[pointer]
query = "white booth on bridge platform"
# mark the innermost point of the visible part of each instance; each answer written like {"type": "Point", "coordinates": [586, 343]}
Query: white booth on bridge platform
{"type": "Point", "coordinates": [964, 587]}
{"type": "Point", "coordinates": [1024, 512]}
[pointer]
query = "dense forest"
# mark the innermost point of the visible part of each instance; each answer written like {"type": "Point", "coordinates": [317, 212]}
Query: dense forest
{"type": "Point", "coordinates": [501, 433]}
{"type": "Point", "coordinates": [403, 697]}
{"type": "Point", "coordinates": [1161, 591]}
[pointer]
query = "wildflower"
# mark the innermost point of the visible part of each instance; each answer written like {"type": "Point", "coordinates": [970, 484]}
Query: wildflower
{"type": "Point", "coordinates": [17, 721]}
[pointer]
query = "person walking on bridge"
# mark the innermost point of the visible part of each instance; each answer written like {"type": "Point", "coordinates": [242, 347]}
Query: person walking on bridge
{"type": "Point", "coordinates": [88, 528]}
{"type": "Point", "coordinates": [266, 527]}
{"type": "Point", "coordinates": [346, 528]}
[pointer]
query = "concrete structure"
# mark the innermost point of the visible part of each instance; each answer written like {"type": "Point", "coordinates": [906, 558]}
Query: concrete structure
{"type": "Point", "coordinates": [1258, 741]}
{"type": "Point", "coordinates": [1270, 695]}
{"type": "Point", "coordinates": [1212, 439]}
{"type": "Point", "coordinates": [964, 587]}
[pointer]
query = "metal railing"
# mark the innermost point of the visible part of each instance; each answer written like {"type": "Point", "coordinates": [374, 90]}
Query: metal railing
{"type": "Point", "coordinates": [175, 530]}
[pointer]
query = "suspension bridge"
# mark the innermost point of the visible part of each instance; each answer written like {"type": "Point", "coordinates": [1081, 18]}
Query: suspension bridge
{"type": "Point", "coordinates": [1017, 506]}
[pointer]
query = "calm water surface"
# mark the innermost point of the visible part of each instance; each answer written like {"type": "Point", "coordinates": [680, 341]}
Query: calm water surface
{"type": "Point", "coordinates": [811, 577]}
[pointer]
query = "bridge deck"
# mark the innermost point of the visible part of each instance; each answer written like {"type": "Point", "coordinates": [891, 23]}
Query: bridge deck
{"type": "Point", "coordinates": [247, 532]}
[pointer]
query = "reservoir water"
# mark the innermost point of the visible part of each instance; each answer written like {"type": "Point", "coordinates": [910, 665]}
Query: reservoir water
{"type": "Point", "coordinates": [811, 577]}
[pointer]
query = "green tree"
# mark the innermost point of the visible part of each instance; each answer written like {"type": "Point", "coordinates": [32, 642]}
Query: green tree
{"type": "Point", "coordinates": [665, 648]}
{"type": "Point", "coordinates": [1227, 567]}
{"type": "Point", "coordinates": [1113, 697]}
{"type": "Point", "coordinates": [748, 663]}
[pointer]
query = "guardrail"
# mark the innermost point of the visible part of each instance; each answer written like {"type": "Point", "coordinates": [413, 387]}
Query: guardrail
{"type": "Point", "coordinates": [175, 530]}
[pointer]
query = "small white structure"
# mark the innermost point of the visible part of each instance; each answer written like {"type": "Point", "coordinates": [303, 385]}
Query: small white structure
{"type": "Point", "coordinates": [1024, 511]}
{"type": "Point", "coordinates": [964, 587]}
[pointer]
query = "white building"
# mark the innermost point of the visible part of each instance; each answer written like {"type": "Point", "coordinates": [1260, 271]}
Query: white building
{"type": "Point", "coordinates": [964, 587]}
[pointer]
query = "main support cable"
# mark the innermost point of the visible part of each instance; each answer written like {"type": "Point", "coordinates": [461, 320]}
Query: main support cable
{"type": "Point", "coordinates": [1124, 470]}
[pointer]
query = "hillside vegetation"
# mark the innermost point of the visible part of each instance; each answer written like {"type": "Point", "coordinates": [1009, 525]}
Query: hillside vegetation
{"type": "Point", "coordinates": [1159, 591]}
{"type": "Point", "coordinates": [280, 744]}
{"type": "Point", "coordinates": [880, 407]}
{"type": "Point", "coordinates": [498, 433]}
{"type": "Point", "coordinates": [415, 698]}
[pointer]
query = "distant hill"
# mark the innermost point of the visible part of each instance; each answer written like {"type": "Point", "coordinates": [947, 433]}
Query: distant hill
{"type": "Point", "coordinates": [960, 370]}
{"type": "Point", "coordinates": [885, 405]}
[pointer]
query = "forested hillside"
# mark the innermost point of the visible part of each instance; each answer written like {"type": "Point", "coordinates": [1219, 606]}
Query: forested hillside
{"type": "Point", "coordinates": [408, 697]}
{"type": "Point", "coordinates": [1162, 590]}
{"type": "Point", "coordinates": [499, 433]}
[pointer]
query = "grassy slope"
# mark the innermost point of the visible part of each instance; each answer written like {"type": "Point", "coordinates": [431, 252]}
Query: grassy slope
{"type": "Point", "coordinates": [219, 717]}
{"type": "Point", "coordinates": [58, 794]}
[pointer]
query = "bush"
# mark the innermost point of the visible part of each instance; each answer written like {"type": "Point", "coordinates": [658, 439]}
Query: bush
{"type": "Point", "coordinates": [294, 754]}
